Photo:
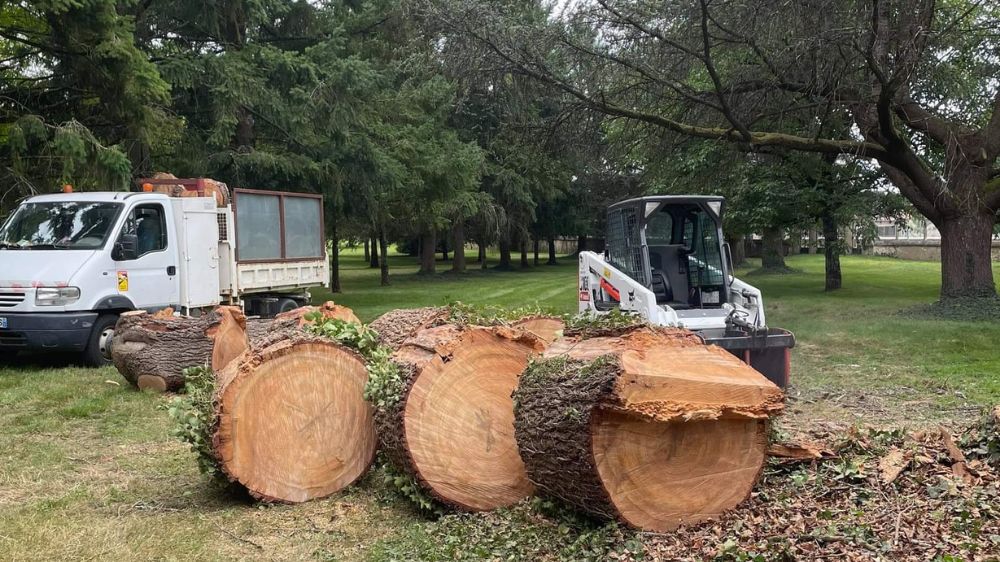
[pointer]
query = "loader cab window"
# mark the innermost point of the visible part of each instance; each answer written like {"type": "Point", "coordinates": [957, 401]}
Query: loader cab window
{"type": "Point", "coordinates": [685, 257]}
{"type": "Point", "coordinates": [149, 225]}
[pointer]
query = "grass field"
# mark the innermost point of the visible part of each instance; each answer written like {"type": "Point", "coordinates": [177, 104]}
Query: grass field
{"type": "Point", "coordinates": [88, 469]}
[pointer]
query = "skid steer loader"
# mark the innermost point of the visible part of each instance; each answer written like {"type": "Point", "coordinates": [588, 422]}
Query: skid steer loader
{"type": "Point", "coordinates": [666, 260]}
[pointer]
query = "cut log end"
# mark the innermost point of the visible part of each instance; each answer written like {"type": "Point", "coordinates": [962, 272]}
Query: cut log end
{"type": "Point", "coordinates": [548, 328]}
{"type": "Point", "coordinates": [659, 475]}
{"type": "Point", "coordinates": [292, 422]}
{"type": "Point", "coordinates": [458, 414]}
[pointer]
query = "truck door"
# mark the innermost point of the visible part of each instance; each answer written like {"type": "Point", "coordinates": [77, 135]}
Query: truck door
{"type": "Point", "coordinates": [150, 280]}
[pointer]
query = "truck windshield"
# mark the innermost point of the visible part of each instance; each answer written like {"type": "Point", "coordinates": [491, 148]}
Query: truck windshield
{"type": "Point", "coordinates": [56, 225]}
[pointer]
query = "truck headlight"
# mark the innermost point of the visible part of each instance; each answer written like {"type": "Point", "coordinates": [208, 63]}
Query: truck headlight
{"type": "Point", "coordinates": [56, 296]}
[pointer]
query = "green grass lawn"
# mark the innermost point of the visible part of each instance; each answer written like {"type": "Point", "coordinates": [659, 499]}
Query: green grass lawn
{"type": "Point", "coordinates": [88, 469]}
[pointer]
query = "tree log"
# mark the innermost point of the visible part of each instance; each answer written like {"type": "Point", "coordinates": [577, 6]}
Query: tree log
{"type": "Point", "coordinates": [452, 427]}
{"type": "Point", "coordinates": [151, 351]}
{"type": "Point", "coordinates": [648, 426]}
{"type": "Point", "coordinates": [395, 326]}
{"type": "Point", "coordinates": [291, 423]}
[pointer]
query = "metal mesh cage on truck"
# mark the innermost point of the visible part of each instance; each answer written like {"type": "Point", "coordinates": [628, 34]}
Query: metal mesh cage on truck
{"type": "Point", "coordinates": [624, 244]}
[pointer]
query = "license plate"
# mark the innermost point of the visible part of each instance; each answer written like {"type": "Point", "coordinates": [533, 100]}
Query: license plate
{"type": "Point", "coordinates": [3, 323]}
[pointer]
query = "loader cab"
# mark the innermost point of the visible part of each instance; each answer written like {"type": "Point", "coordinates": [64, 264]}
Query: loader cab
{"type": "Point", "coordinates": [674, 246]}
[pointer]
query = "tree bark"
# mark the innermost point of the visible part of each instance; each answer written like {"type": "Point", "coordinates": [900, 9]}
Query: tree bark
{"type": "Point", "coordinates": [966, 261]}
{"type": "Point", "coordinates": [334, 259]}
{"type": "Point", "coordinates": [151, 351]}
{"type": "Point", "coordinates": [552, 250]}
{"type": "Point", "coordinates": [831, 250]}
{"type": "Point", "coordinates": [451, 428]}
{"type": "Point", "coordinates": [620, 425]}
{"type": "Point", "coordinates": [368, 253]}
{"type": "Point", "coordinates": [773, 249]}
{"type": "Point", "coordinates": [535, 248]}
{"type": "Point", "coordinates": [524, 253]}
{"type": "Point", "coordinates": [383, 257]}
{"type": "Point", "coordinates": [428, 251]}
{"type": "Point", "coordinates": [481, 255]}
{"type": "Point", "coordinates": [738, 250]}
{"type": "Point", "coordinates": [444, 249]}
{"type": "Point", "coordinates": [504, 254]}
{"type": "Point", "coordinates": [373, 263]}
{"type": "Point", "coordinates": [458, 239]}
{"type": "Point", "coordinates": [291, 422]}
{"type": "Point", "coordinates": [813, 240]}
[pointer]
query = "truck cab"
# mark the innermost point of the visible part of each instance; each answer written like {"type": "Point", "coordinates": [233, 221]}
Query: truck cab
{"type": "Point", "coordinates": [71, 263]}
{"type": "Point", "coordinates": [666, 259]}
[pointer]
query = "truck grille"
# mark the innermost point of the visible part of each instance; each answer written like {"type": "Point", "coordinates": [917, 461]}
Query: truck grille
{"type": "Point", "coordinates": [10, 298]}
{"type": "Point", "coordinates": [223, 228]}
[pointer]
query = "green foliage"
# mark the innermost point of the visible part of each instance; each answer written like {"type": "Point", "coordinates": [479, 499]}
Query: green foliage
{"type": "Point", "coordinates": [408, 487]}
{"type": "Point", "coordinates": [615, 319]}
{"type": "Point", "coordinates": [491, 315]}
{"type": "Point", "coordinates": [983, 442]}
{"type": "Point", "coordinates": [193, 414]}
{"type": "Point", "coordinates": [535, 529]}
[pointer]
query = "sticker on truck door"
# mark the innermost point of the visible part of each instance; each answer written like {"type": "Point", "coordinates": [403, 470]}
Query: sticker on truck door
{"type": "Point", "coordinates": [123, 281]}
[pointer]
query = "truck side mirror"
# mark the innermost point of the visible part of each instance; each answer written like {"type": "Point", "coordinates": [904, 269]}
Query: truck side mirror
{"type": "Point", "coordinates": [126, 248]}
{"type": "Point", "coordinates": [729, 261]}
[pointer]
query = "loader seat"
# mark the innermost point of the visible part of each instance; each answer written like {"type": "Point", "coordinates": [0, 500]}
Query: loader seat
{"type": "Point", "coordinates": [660, 282]}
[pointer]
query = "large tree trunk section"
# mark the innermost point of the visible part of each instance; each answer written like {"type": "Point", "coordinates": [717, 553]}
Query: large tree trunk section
{"type": "Point", "coordinates": [773, 249]}
{"type": "Point", "coordinates": [453, 429]}
{"type": "Point", "coordinates": [151, 351]}
{"type": "Point", "coordinates": [546, 328]}
{"type": "Point", "coordinates": [831, 251]}
{"type": "Point", "coordinates": [458, 239]}
{"type": "Point", "coordinates": [291, 422]}
{"type": "Point", "coordinates": [396, 326]}
{"type": "Point", "coordinates": [966, 263]}
{"type": "Point", "coordinates": [647, 426]}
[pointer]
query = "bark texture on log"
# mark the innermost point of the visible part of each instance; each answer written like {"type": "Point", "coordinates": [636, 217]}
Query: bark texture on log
{"type": "Point", "coordinates": [395, 326]}
{"type": "Point", "coordinates": [291, 423]}
{"type": "Point", "coordinates": [152, 350]}
{"type": "Point", "coordinates": [452, 429]}
{"type": "Point", "coordinates": [647, 426]}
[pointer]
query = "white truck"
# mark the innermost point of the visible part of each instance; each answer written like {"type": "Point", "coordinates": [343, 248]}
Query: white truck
{"type": "Point", "coordinates": [71, 263]}
{"type": "Point", "coordinates": [667, 261]}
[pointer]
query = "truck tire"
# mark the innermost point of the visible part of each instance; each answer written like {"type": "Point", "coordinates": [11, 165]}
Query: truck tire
{"type": "Point", "coordinates": [98, 350]}
{"type": "Point", "coordinates": [285, 305]}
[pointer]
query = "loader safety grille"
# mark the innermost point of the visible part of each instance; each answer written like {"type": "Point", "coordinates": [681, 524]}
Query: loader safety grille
{"type": "Point", "coordinates": [624, 244]}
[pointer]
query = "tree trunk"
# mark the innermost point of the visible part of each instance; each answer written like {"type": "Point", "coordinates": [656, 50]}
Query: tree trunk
{"type": "Point", "coordinates": [444, 249]}
{"type": "Point", "coordinates": [504, 254]}
{"type": "Point", "coordinates": [831, 251]}
{"type": "Point", "coordinates": [334, 260]}
{"type": "Point", "coordinates": [581, 243]}
{"type": "Point", "coordinates": [396, 326]}
{"type": "Point", "coordinates": [384, 257]}
{"type": "Point", "coordinates": [623, 426]}
{"type": "Point", "coordinates": [291, 422]}
{"type": "Point", "coordinates": [428, 245]}
{"type": "Point", "coordinates": [552, 251]}
{"type": "Point", "coordinates": [482, 255]}
{"type": "Point", "coordinates": [151, 351]}
{"type": "Point", "coordinates": [458, 239]}
{"type": "Point", "coordinates": [773, 249]}
{"type": "Point", "coordinates": [813, 240]}
{"type": "Point", "coordinates": [244, 138]}
{"type": "Point", "coordinates": [524, 253]}
{"type": "Point", "coordinates": [452, 428]}
{"type": "Point", "coordinates": [373, 263]}
{"type": "Point", "coordinates": [966, 262]}
{"type": "Point", "coordinates": [368, 253]}
{"type": "Point", "coordinates": [738, 250]}
{"type": "Point", "coordinates": [535, 247]}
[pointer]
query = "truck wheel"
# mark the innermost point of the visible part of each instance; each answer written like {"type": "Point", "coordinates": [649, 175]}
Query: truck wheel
{"type": "Point", "coordinates": [284, 305]}
{"type": "Point", "coordinates": [98, 351]}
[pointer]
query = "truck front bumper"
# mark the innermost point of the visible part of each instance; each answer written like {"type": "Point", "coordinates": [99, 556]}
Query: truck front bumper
{"type": "Point", "coordinates": [62, 331]}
